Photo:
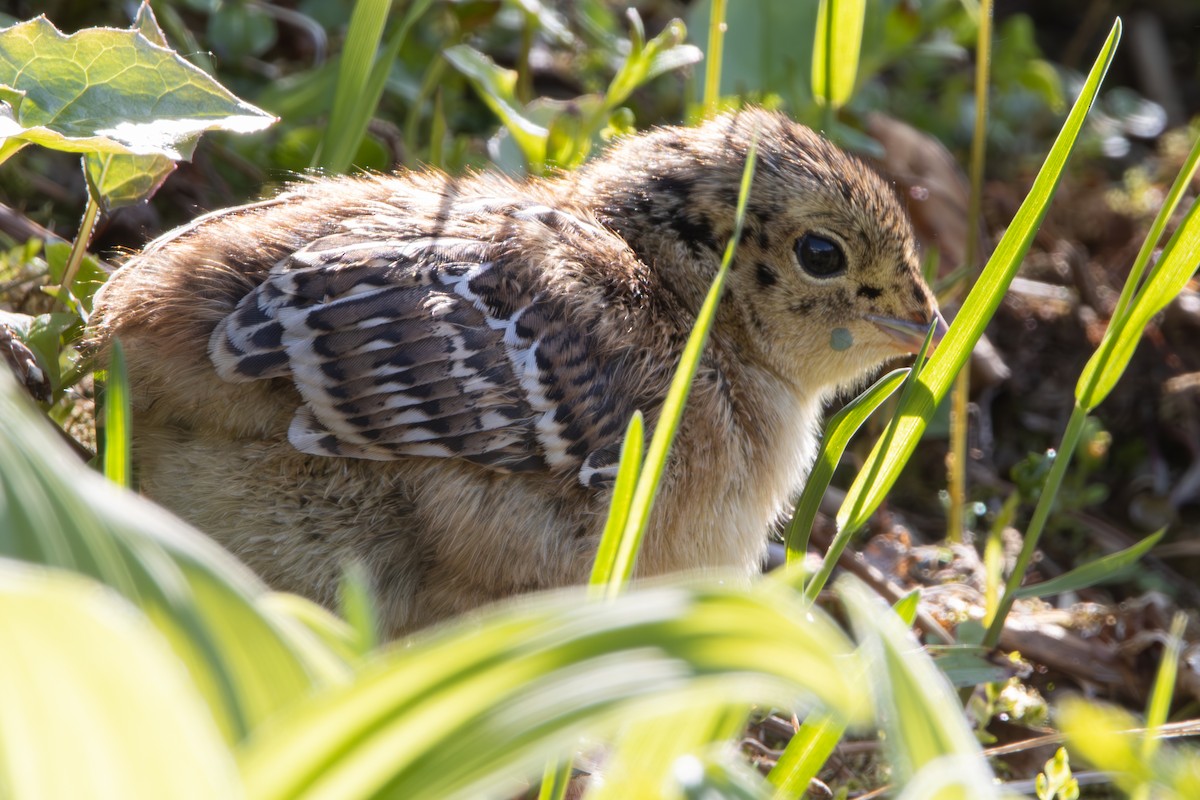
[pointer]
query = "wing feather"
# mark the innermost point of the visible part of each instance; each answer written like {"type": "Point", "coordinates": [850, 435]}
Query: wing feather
{"type": "Point", "coordinates": [429, 347]}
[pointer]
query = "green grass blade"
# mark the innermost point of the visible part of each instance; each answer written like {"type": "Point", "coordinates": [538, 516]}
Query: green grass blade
{"type": "Point", "coordinates": [681, 383]}
{"type": "Point", "coordinates": [836, 48]}
{"type": "Point", "coordinates": [117, 420]}
{"type": "Point", "coordinates": [643, 751]}
{"type": "Point", "coordinates": [884, 464]}
{"type": "Point", "coordinates": [1182, 181]}
{"type": "Point", "coordinates": [489, 699]}
{"type": "Point", "coordinates": [805, 754]}
{"type": "Point", "coordinates": [604, 569]}
{"type": "Point", "coordinates": [1093, 572]}
{"type": "Point", "coordinates": [91, 701]}
{"type": "Point", "coordinates": [838, 432]}
{"type": "Point", "coordinates": [1159, 705]}
{"type": "Point", "coordinates": [712, 67]}
{"type": "Point", "coordinates": [362, 42]}
{"type": "Point", "coordinates": [1170, 275]}
{"type": "Point", "coordinates": [56, 512]}
{"type": "Point", "coordinates": [918, 708]}
{"type": "Point", "coordinates": [555, 780]}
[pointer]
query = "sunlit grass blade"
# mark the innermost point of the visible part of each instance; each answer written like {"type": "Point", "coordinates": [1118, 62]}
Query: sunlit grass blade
{"type": "Point", "coordinates": [54, 511]}
{"type": "Point", "coordinates": [1093, 572]}
{"type": "Point", "coordinates": [555, 780]}
{"type": "Point", "coordinates": [917, 707]}
{"type": "Point", "coordinates": [884, 463]}
{"type": "Point", "coordinates": [362, 42]}
{"type": "Point", "coordinates": [841, 428]}
{"type": "Point", "coordinates": [1170, 275]}
{"type": "Point", "coordinates": [1174, 269]}
{"type": "Point", "coordinates": [842, 539]}
{"type": "Point", "coordinates": [117, 419]}
{"type": "Point", "coordinates": [642, 751]}
{"type": "Point", "coordinates": [91, 701]}
{"type": "Point", "coordinates": [681, 383]}
{"type": "Point", "coordinates": [805, 754]}
{"type": "Point", "coordinates": [489, 699]}
{"type": "Point", "coordinates": [1159, 705]}
{"type": "Point", "coordinates": [836, 47]}
{"type": "Point", "coordinates": [713, 56]}
{"type": "Point", "coordinates": [1134, 281]}
{"type": "Point", "coordinates": [602, 580]}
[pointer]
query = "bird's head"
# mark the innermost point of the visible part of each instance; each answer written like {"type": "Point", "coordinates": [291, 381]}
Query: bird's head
{"type": "Point", "coordinates": [826, 282]}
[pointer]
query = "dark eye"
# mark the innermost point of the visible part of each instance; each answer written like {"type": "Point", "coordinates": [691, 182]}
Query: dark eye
{"type": "Point", "coordinates": [820, 257]}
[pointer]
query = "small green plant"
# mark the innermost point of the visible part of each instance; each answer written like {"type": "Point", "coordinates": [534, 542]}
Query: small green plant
{"type": "Point", "coordinates": [1056, 782]}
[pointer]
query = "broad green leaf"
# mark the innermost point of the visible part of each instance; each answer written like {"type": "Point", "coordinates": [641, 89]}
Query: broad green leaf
{"type": "Point", "coordinates": [884, 464]}
{"type": "Point", "coordinates": [92, 701]}
{"type": "Point", "coordinates": [836, 46]}
{"type": "Point", "coordinates": [117, 420]}
{"type": "Point", "coordinates": [459, 712]}
{"type": "Point", "coordinates": [109, 91]}
{"type": "Point", "coordinates": [917, 707]}
{"type": "Point", "coordinates": [54, 511]}
{"type": "Point", "coordinates": [89, 277]}
{"type": "Point", "coordinates": [119, 180]}
{"type": "Point", "coordinates": [42, 335]}
{"type": "Point", "coordinates": [1093, 572]}
{"type": "Point", "coordinates": [497, 88]}
{"type": "Point", "coordinates": [838, 432]}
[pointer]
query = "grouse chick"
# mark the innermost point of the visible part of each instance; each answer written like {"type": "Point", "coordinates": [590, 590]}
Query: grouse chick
{"type": "Point", "coordinates": [432, 375]}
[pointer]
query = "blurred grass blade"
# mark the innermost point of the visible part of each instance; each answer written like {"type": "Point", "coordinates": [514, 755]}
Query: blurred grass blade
{"type": "Point", "coordinates": [555, 780]}
{"type": "Point", "coordinates": [92, 701]}
{"type": "Point", "coordinates": [604, 568]}
{"type": "Point", "coordinates": [838, 432]}
{"type": "Point", "coordinates": [805, 754]}
{"type": "Point", "coordinates": [343, 135]}
{"type": "Point", "coordinates": [884, 464]}
{"type": "Point", "coordinates": [488, 699]}
{"type": "Point", "coordinates": [906, 607]}
{"type": "Point", "coordinates": [117, 419]}
{"type": "Point", "coordinates": [1170, 275]}
{"type": "Point", "coordinates": [681, 384]}
{"type": "Point", "coordinates": [918, 710]}
{"type": "Point", "coordinates": [1093, 572]}
{"type": "Point", "coordinates": [951, 778]}
{"type": "Point", "coordinates": [54, 511]}
{"type": "Point", "coordinates": [1159, 706]}
{"type": "Point", "coordinates": [836, 47]}
{"type": "Point", "coordinates": [362, 76]}
{"type": "Point", "coordinates": [714, 54]}
{"type": "Point", "coordinates": [639, 755]}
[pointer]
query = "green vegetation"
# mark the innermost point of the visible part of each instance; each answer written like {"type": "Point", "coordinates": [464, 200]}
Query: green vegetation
{"type": "Point", "coordinates": [143, 659]}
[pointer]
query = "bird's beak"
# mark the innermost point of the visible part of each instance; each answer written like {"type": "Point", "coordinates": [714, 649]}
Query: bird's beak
{"type": "Point", "coordinates": [910, 334]}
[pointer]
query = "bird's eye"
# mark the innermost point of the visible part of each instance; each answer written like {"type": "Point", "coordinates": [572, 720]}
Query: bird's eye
{"type": "Point", "coordinates": [820, 257]}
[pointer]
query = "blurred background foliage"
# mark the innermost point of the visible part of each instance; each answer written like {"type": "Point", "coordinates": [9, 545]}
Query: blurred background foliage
{"type": "Point", "coordinates": [916, 66]}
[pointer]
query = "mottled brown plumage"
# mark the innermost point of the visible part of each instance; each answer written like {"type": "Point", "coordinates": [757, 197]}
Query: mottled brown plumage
{"type": "Point", "coordinates": [432, 375]}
